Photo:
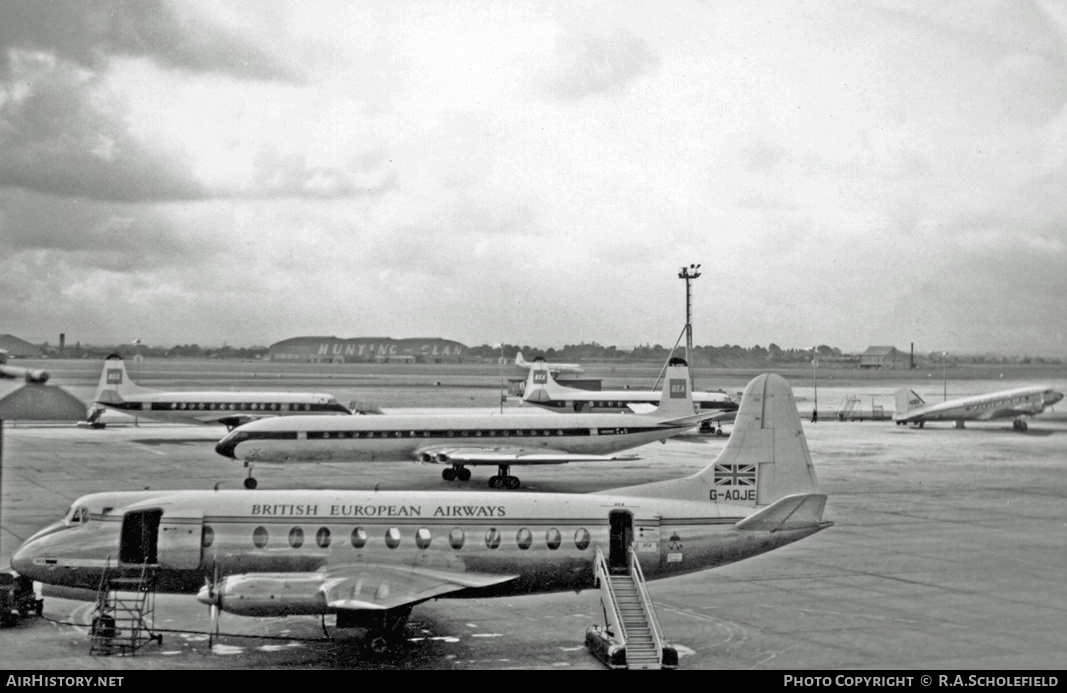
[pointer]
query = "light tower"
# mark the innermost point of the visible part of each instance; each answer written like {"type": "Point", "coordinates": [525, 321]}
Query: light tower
{"type": "Point", "coordinates": [689, 273]}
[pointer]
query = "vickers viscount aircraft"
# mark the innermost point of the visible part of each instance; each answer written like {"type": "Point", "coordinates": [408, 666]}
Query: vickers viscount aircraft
{"type": "Point", "coordinates": [370, 556]}
{"type": "Point", "coordinates": [463, 440]}
{"type": "Point", "coordinates": [545, 391]}
{"type": "Point", "coordinates": [1007, 404]}
{"type": "Point", "coordinates": [229, 407]}
{"type": "Point", "coordinates": [553, 367]}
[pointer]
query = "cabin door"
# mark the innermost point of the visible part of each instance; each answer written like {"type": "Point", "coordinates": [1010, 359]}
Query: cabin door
{"type": "Point", "coordinates": [138, 543]}
{"type": "Point", "coordinates": [620, 538]}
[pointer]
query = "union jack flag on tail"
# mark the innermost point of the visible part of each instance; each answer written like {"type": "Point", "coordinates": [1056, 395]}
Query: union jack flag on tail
{"type": "Point", "coordinates": [735, 475]}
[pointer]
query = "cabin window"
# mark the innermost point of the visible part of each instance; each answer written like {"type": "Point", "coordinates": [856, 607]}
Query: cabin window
{"type": "Point", "coordinates": [455, 538]}
{"type": "Point", "coordinates": [207, 536]}
{"type": "Point", "coordinates": [392, 537]}
{"type": "Point", "coordinates": [524, 539]}
{"type": "Point", "coordinates": [296, 537]}
{"type": "Point", "coordinates": [359, 537]}
{"type": "Point", "coordinates": [492, 538]}
{"type": "Point", "coordinates": [422, 538]}
{"type": "Point", "coordinates": [259, 537]}
{"type": "Point", "coordinates": [553, 538]}
{"type": "Point", "coordinates": [322, 537]}
{"type": "Point", "coordinates": [581, 539]}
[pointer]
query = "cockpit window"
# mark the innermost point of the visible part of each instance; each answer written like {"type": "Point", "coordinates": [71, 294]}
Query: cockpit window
{"type": "Point", "coordinates": [77, 516]}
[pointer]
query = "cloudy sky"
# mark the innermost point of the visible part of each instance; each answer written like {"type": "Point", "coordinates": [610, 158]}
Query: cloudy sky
{"type": "Point", "coordinates": [846, 173]}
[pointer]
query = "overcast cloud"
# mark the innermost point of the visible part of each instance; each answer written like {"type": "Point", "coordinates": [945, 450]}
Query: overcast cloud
{"type": "Point", "coordinates": [536, 172]}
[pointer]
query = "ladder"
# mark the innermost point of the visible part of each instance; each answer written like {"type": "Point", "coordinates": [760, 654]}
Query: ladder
{"type": "Point", "coordinates": [124, 609]}
{"type": "Point", "coordinates": [631, 637]}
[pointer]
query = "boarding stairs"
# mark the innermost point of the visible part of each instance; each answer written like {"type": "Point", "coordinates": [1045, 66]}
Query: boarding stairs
{"type": "Point", "coordinates": [631, 638]}
{"type": "Point", "coordinates": [124, 610]}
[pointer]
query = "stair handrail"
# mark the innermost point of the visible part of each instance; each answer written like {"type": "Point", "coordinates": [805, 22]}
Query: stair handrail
{"type": "Point", "coordinates": [646, 601]}
{"type": "Point", "coordinates": [608, 590]}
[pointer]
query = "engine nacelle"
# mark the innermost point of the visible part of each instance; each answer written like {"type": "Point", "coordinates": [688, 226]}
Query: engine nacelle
{"type": "Point", "coordinates": [267, 594]}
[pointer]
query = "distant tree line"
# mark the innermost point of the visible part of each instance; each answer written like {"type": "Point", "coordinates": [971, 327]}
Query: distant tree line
{"type": "Point", "coordinates": [180, 351]}
{"type": "Point", "coordinates": [725, 356]}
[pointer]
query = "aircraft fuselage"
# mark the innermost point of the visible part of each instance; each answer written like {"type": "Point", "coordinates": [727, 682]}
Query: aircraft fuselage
{"type": "Point", "coordinates": [400, 437]}
{"type": "Point", "coordinates": [278, 543]}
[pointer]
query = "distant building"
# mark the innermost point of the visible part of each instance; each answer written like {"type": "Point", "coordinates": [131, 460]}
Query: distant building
{"type": "Point", "coordinates": [19, 348]}
{"type": "Point", "coordinates": [884, 357]}
{"type": "Point", "coordinates": [367, 350]}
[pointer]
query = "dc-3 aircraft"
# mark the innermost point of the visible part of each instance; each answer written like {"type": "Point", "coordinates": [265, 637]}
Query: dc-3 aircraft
{"type": "Point", "coordinates": [553, 367]}
{"type": "Point", "coordinates": [545, 391]}
{"type": "Point", "coordinates": [1007, 404]}
{"type": "Point", "coordinates": [229, 407]}
{"type": "Point", "coordinates": [464, 440]}
{"type": "Point", "coordinates": [370, 556]}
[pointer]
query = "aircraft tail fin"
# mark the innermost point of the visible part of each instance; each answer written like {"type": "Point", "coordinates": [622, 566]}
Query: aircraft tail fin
{"type": "Point", "coordinates": [907, 400]}
{"type": "Point", "coordinates": [540, 385]}
{"type": "Point", "coordinates": [115, 383]}
{"type": "Point", "coordinates": [676, 400]}
{"type": "Point", "coordinates": [766, 458]}
{"type": "Point", "coordinates": [521, 362]}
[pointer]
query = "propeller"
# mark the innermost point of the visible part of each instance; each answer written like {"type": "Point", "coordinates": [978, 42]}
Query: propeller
{"type": "Point", "coordinates": [207, 595]}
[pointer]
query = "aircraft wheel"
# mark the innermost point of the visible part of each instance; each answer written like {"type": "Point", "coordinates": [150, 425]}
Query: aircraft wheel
{"type": "Point", "coordinates": [378, 644]}
{"type": "Point", "coordinates": [448, 474]}
{"type": "Point", "coordinates": [463, 474]}
{"type": "Point", "coordinates": [251, 483]}
{"type": "Point", "coordinates": [921, 424]}
{"type": "Point", "coordinates": [512, 482]}
{"type": "Point", "coordinates": [1023, 425]}
{"type": "Point", "coordinates": [494, 481]}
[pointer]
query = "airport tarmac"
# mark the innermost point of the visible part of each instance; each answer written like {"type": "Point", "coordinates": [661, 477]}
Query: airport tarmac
{"type": "Point", "coordinates": [948, 552]}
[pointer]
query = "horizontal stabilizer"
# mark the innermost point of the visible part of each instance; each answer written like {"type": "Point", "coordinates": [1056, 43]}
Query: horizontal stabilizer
{"type": "Point", "coordinates": [791, 512]}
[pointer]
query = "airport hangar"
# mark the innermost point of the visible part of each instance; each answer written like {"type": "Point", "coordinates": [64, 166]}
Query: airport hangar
{"type": "Point", "coordinates": [368, 350]}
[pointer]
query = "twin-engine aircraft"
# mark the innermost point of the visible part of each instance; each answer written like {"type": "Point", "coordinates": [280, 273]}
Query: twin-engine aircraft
{"type": "Point", "coordinates": [462, 440]}
{"type": "Point", "coordinates": [369, 557]}
{"type": "Point", "coordinates": [545, 391]}
{"type": "Point", "coordinates": [1007, 404]}
{"type": "Point", "coordinates": [553, 367]}
{"type": "Point", "coordinates": [229, 407]}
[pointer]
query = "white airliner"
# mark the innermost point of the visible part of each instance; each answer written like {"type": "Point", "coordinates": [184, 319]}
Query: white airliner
{"type": "Point", "coordinates": [229, 407]}
{"type": "Point", "coordinates": [370, 556]}
{"type": "Point", "coordinates": [1007, 404]}
{"type": "Point", "coordinates": [462, 440]}
{"type": "Point", "coordinates": [553, 367]}
{"type": "Point", "coordinates": [545, 391]}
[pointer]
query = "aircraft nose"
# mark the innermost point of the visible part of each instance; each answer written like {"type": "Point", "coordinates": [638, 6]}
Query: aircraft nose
{"type": "Point", "coordinates": [227, 447]}
{"type": "Point", "coordinates": [1055, 397]}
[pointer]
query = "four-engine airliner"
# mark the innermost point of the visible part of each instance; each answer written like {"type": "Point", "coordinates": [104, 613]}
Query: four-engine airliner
{"type": "Point", "coordinates": [1007, 404]}
{"type": "Point", "coordinates": [229, 407]}
{"type": "Point", "coordinates": [545, 391]}
{"type": "Point", "coordinates": [369, 557]}
{"type": "Point", "coordinates": [553, 367]}
{"type": "Point", "coordinates": [462, 440]}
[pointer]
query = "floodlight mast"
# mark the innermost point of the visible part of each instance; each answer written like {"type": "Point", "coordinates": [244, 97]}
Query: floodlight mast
{"type": "Point", "coordinates": [688, 274]}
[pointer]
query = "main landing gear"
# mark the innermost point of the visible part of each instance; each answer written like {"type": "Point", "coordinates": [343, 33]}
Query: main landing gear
{"type": "Point", "coordinates": [1019, 425]}
{"type": "Point", "coordinates": [503, 479]}
{"type": "Point", "coordinates": [456, 472]}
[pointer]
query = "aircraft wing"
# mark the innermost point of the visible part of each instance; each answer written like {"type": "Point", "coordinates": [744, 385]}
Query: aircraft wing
{"type": "Point", "coordinates": [509, 454]}
{"type": "Point", "coordinates": [719, 415]}
{"type": "Point", "coordinates": [377, 587]}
